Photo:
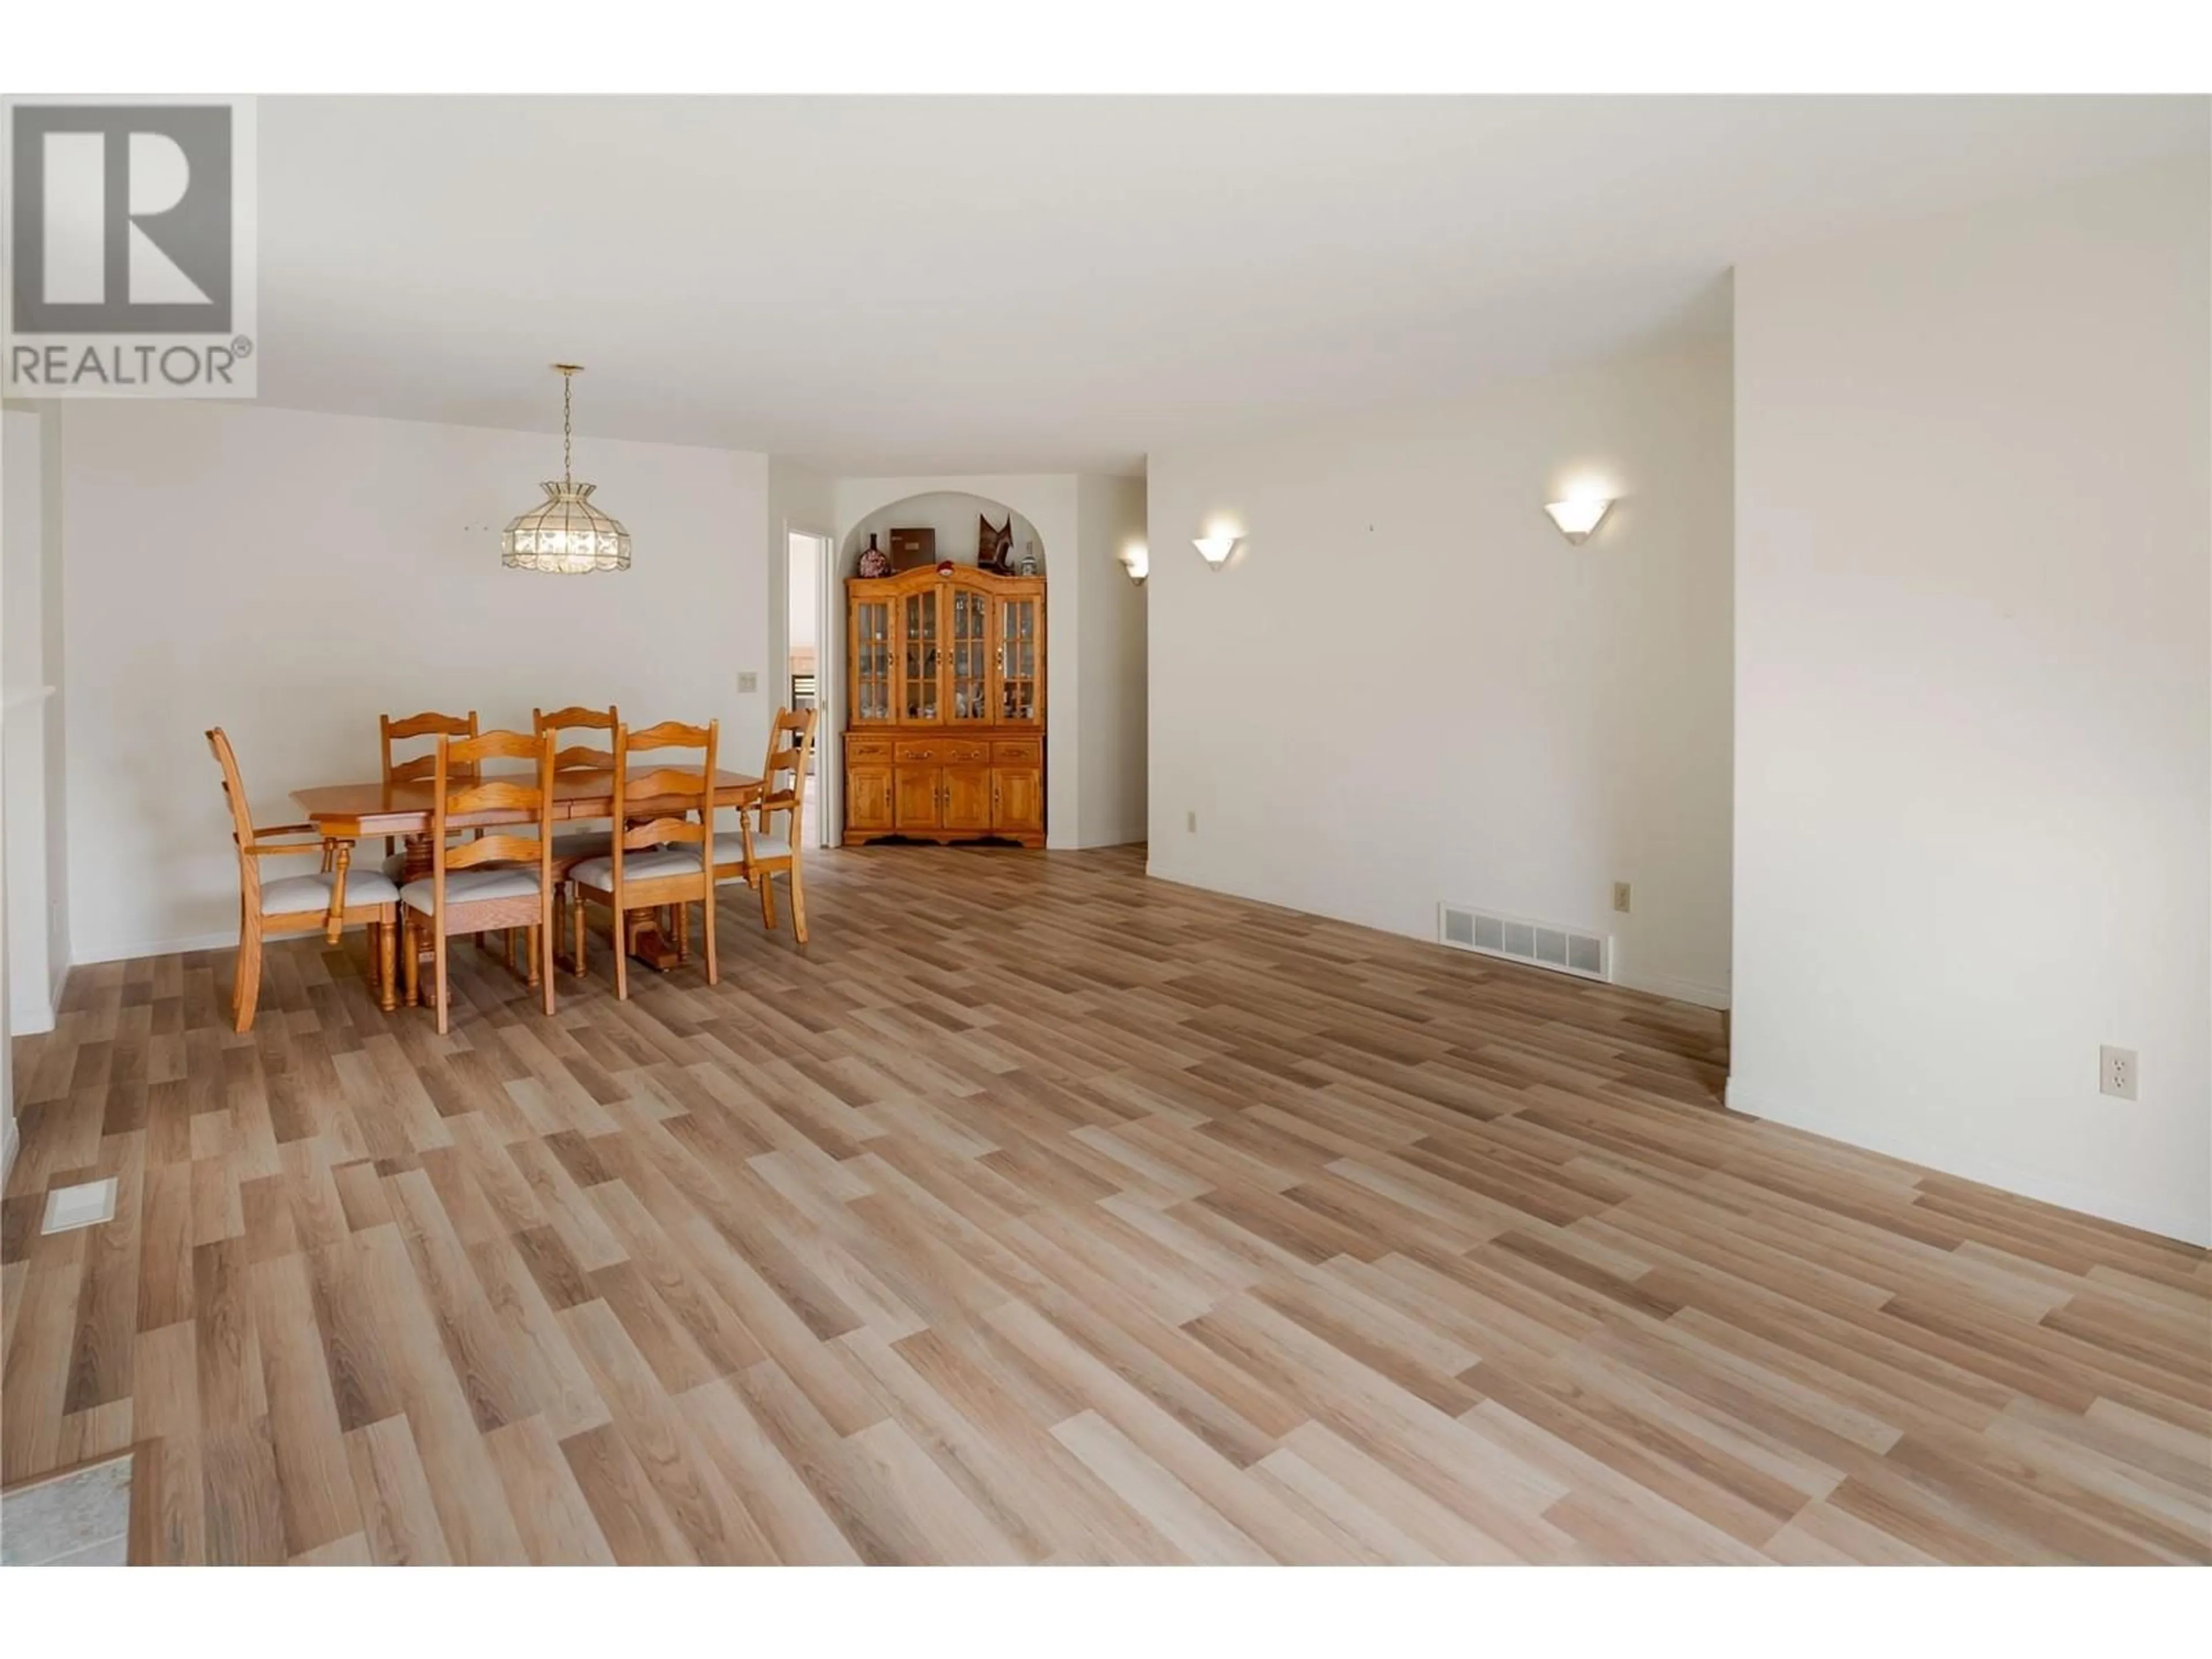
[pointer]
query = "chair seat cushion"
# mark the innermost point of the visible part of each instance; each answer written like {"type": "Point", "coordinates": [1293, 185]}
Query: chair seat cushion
{"type": "Point", "coordinates": [729, 848]}
{"type": "Point", "coordinates": [473, 886]}
{"type": "Point", "coordinates": [638, 866]}
{"type": "Point", "coordinates": [294, 895]}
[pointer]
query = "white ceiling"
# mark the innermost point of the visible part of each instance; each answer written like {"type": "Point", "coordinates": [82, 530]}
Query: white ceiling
{"type": "Point", "coordinates": [957, 284]}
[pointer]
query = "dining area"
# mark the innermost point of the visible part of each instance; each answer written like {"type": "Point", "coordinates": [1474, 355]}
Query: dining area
{"type": "Point", "coordinates": [522, 841]}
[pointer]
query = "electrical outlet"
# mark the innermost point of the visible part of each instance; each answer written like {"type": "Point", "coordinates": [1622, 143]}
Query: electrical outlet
{"type": "Point", "coordinates": [748, 681]}
{"type": "Point", "coordinates": [1620, 896]}
{"type": "Point", "coordinates": [1190, 823]}
{"type": "Point", "coordinates": [2116, 1072]}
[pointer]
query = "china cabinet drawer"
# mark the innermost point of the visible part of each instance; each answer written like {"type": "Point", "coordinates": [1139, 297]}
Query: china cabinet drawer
{"type": "Point", "coordinates": [927, 751]}
{"type": "Point", "coordinates": [1018, 751]}
{"type": "Point", "coordinates": [868, 749]}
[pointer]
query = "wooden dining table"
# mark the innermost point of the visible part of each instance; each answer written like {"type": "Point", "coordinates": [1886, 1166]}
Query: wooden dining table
{"type": "Point", "coordinates": [349, 812]}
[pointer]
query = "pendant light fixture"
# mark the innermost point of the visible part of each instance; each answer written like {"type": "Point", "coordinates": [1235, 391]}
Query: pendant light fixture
{"type": "Point", "coordinates": [564, 535]}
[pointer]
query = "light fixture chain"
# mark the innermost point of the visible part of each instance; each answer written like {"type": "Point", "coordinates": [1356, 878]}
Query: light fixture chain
{"type": "Point", "coordinates": [568, 429]}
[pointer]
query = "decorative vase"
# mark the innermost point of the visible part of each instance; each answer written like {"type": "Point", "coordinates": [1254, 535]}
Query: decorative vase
{"type": "Point", "coordinates": [1029, 566]}
{"type": "Point", "coordinates": [874, 562]}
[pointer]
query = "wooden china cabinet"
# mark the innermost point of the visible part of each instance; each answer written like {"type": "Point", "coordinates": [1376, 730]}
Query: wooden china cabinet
{"type": "Point", "coordinates": [945, 737]}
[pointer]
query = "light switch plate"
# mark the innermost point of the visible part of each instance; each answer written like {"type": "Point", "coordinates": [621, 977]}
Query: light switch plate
{"type": "Point", "coordinates": [748, 681]}
{"type": "Point", "coordinates": [70, 1207]}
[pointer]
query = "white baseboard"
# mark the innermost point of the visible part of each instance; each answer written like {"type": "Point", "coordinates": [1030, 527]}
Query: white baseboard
{"type": "Point", "coordinates": [225, 940]}
{"type": "Point", "coordinates": [1657, 985]}
{"type": "Point", "coordinates": [26, 1015]}
{"type": "Point", "coordinates": [1675, 990]}
{"type": "Point", "coordinates": [1968, 1165]}
{"type": "Point", "coordinates": [1129, 838]}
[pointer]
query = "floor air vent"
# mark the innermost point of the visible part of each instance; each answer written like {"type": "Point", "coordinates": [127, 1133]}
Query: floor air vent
{"type": "Point", "coordinates": [1538, 944]}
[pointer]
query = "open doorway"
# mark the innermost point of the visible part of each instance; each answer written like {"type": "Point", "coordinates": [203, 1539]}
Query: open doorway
{"type": "Point", "coordinates": [806, 592]}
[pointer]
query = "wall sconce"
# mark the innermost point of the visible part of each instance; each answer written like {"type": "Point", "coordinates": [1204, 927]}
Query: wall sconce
{"type": "Point", "coordinates": [1216, 550]}
{"type": "Point", "coordinates": [1137, 560]}
{"type": "Point", "coordinates": [1577, 516]}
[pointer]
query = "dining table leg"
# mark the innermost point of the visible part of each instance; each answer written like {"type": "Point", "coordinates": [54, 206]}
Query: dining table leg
{"type": "Point", "coordinates": [649, 941]}
{"type": "Point", "coordinates": [422, 862]}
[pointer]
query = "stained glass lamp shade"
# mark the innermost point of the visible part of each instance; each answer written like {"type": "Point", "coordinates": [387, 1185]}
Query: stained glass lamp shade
{"type": "Point", "coordinates": [565, 535]}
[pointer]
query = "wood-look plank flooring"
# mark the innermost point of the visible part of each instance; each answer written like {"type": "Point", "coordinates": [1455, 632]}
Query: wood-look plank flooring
{"type": "Point", "coordinates": [1039, 1211]}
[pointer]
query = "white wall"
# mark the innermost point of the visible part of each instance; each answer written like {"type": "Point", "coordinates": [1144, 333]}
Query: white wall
{"type": "Point", "coordinates": [1974, 801]}
{"type": "Point", "coordinates": [953, 516]}
{"type": "Point", "coordinates": [35, 849]}
{"type": "Point", "coordinates": [1407, 688]}
{"type": "Point", "coordinates": [53, 669]}
{"type": "Point", "coordinates": [19, 530]}
{"type": "Point", "coordinates": [289, 576]}
{"type": "Point", "coordinates": [799, 500]}
{"type": "Point", "coordinates": [22, 712]}
{"type": "Point", "coordinates": [802, 597]}
{"type": "Point", "coordinates": [1110, 757]}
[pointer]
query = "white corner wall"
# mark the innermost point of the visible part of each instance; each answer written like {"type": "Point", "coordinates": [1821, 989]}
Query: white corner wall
{"type": "Point", "coordinates": [799, 501]}
{"type": "Point", "coordinates": [22, 715]}
{"type": "Point", "coordinates": [1407, 688]}
{"type": "Point", "coordinates": [1974, 693]}
{"type": "Point", "coordinates": [289, 576]}
{"type": "Point", "coordinates": [35, 848]}
{"type": "Point", "coordinates": [1110, 759]}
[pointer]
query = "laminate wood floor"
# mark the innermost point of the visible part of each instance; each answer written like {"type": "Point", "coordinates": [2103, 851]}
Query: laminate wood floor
{"type": "Point", "coordinates": [1042, 1213]}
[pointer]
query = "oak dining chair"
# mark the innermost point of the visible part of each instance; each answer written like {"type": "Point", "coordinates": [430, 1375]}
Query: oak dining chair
{"type": "Point", "coordinates": [330, 900]}
{"type": "Point", "coordinates": [663, 859]}
{"type": "Point", "coordinates": [755, 852]}
{"type": "Point", "coordinates": [418, 768]}
{"type": "Point", "coordinates": [500, 880]}
{"type": "Point", "coordinates": [573, 847]}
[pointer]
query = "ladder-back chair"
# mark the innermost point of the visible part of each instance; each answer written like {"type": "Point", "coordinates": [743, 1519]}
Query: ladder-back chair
{"type": "Point", "coordinates": [329, 901]}
{"type": "Point", "coordinates": [502, 879]}
{"type": "Point", "coordinates": [661, 854]}
{"type": "Point", "coordinates": [755, 853]}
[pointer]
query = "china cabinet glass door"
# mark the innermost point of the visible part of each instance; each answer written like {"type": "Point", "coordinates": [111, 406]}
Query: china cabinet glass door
{"type": "Point", "coordinates": [918, 636]}
{"type": "Point", "coordinates": [1016, 664]}
{"type": "Point", "coordinates": [971, 657]}
{"type": "Point", "coordinates": [871, 646]}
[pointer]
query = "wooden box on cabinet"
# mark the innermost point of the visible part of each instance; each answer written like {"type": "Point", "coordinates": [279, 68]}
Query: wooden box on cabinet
{"type": "Point", "coordinates": [945, 733]}
{"type": "Point", "coordinates": [913, 548]}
